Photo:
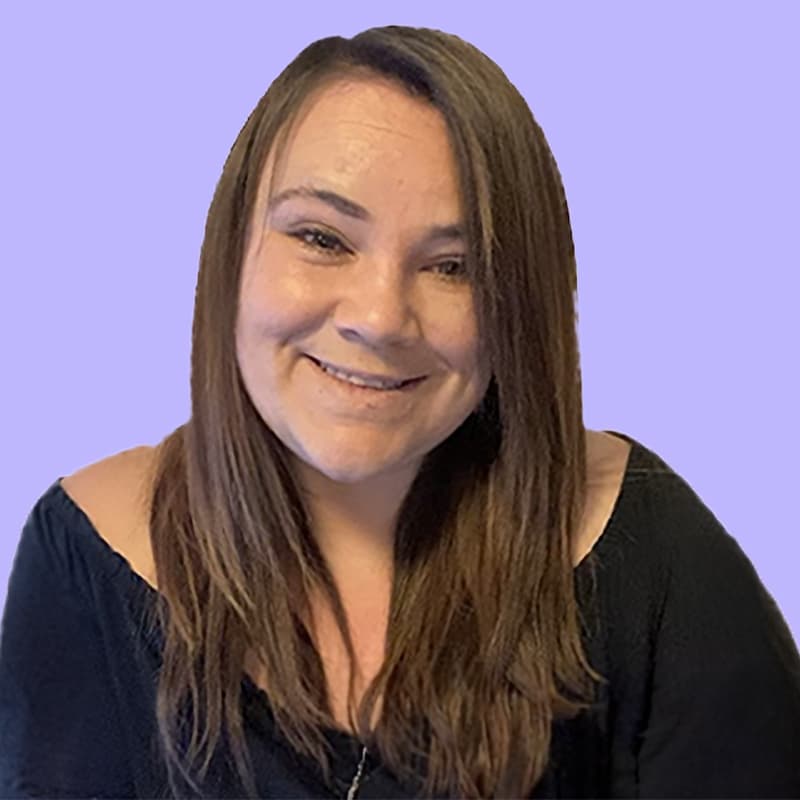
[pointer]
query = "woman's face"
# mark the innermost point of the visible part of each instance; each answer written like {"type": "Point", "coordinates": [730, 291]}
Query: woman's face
{"type": "Point", "coordinates": [357, 262]}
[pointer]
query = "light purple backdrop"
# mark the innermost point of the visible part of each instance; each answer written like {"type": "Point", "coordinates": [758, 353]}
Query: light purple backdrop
{"type": "Point", "coordinates": [675, 126]}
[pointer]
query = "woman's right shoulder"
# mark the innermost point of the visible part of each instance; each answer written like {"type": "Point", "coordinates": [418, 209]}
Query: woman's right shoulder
{"type": "Point", "coordinates": [114, 493]}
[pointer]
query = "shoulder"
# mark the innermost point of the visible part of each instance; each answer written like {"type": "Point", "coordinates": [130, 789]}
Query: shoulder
{"type": "Point", "coordinates": [695, 645]}
{"type": "Point", "coordinates": [671, 555]}
{"type": "Point", "coordinates": [606, 462]}
{"type": "Point", "coordinates": [115, 494]}
{"type": "Point", "coordinates": [606, 457]}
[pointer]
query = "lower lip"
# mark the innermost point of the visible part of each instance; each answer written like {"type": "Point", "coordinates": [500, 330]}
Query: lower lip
{"type": "Point", "coordinates": [366, 391]}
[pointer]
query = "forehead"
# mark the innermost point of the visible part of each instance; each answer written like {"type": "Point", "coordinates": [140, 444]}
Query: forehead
{"type": "Point", "coordinates": [365, 134]}
{"type": "Point", "coordinates": [371, 100]}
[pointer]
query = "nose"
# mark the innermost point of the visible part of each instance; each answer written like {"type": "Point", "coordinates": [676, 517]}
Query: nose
{"type": "Point", "coordinates": [378, 306]}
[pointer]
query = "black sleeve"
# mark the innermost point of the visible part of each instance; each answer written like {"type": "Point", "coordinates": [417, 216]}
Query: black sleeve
{"type": "Point", "coordinates": [724, 717]}
{"type": "Point", "coordinates": [59, 733]}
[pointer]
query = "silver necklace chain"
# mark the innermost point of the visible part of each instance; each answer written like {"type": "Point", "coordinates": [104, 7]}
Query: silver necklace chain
{"type": "Point", "coordinates": [351, 792]}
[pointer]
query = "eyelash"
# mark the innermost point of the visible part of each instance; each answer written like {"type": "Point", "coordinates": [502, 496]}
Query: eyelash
{"type": "Point", "coordinates": [320, 234]}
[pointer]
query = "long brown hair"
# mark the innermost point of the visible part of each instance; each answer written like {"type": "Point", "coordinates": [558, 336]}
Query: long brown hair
{"type": "Point", "coordinates": [484, 637]}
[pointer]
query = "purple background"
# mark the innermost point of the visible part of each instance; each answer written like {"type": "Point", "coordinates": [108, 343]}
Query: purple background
{"type": "Point", "coordinates": [675, 126]}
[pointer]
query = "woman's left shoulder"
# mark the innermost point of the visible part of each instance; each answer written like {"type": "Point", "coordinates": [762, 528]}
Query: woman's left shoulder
{"type": "Point", "coordinates": [606, 463]}
{"type": "Point", "coordinates": [672, 545]}
{"type": "Point", "coordinates": [699, 653]}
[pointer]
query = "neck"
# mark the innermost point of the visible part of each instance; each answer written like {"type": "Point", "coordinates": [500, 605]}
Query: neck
{"type": "Point", "coordinates": [355, 523]}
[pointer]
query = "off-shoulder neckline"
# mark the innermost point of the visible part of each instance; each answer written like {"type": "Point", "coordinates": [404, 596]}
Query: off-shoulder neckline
{"type": "Point", "coordinates": [122, 570]}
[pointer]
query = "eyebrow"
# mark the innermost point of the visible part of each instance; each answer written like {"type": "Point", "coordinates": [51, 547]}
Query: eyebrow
{"type": "Point", "coordinates": [352, 209]}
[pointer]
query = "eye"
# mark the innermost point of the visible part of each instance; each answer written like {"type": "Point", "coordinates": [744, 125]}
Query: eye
{"type": "Point", "coordinates": [319, 240]}
{"type": "Point", "coordinates": [454, 269]}
{"type": "Point", "coordinates": [326, 243]}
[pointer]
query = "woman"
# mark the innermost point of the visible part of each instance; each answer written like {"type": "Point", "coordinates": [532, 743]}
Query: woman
{"type": "Point", "coordinates": [384, 557]}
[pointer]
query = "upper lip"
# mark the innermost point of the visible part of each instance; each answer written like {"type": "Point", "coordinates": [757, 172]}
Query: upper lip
{"type": "Point", "coordinates": [367, 376]}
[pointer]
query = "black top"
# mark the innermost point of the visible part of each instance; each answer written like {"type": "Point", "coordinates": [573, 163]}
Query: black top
{"type": "Point", "coordinates": [703, 699]}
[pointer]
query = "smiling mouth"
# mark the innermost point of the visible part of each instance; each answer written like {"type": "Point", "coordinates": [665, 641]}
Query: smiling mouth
{"type": "Point", "coordinates": [357, 382]}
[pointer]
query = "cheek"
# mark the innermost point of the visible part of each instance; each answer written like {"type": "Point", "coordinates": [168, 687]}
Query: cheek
{"type": "Point", "coordinates": [275, 302]}
{"type": "Point", "coordinates": [456, 339]}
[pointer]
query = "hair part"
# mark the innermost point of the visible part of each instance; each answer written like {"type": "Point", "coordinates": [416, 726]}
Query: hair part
{"type": "Point", "coordinates": [484, 637]}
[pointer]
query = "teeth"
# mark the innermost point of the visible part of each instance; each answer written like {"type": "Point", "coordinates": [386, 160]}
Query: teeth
{"type": "Point", "coordinates": [372, 384]}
